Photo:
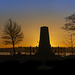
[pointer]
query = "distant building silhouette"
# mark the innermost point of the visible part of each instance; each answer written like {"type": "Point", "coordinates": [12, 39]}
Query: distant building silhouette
{"type": "Point", "coordinates": [44, 43]}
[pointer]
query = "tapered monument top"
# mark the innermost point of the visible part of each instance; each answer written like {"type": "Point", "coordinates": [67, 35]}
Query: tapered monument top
{"type": "Point", "coordinates": [44, 27]}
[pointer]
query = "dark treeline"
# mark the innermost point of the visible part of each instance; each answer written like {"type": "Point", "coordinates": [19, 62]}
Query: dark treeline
{"type": "Point", "coordinates": [36, 49]}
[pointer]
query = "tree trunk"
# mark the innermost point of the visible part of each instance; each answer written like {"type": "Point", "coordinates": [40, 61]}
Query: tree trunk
{"type": "Point", "coordinates": [13, 48]}
{"type": "Point", "coordinates": [72, 50]}
{"type": "Point", "coordinates": [72, 43]}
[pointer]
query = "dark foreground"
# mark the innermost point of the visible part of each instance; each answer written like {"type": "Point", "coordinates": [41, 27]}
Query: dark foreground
{"type": "Point", "coordinates": [30, 66]}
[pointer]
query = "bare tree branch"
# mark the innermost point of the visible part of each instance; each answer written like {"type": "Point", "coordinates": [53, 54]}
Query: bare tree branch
{"type": "Point", "coordinates": [70, 25]}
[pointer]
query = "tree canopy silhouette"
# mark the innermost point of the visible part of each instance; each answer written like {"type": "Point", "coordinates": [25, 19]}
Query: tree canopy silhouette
{"type": "Point", "coordinates": [70, 25]}
{"type": "Point", "coordinates": [12, 33]}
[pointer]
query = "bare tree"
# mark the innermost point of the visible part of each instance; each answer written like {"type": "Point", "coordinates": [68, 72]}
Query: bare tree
{"type": "Point", "coordinates": [12, 34]}
{"type": "Point", "coordinates": [70, 27]}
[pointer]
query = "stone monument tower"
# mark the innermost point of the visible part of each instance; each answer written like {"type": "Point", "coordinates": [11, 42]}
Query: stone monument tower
{"type": "Point", "coordinates": [44, 43]}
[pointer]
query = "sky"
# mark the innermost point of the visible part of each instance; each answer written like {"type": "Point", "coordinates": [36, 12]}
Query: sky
{"type": "Point", "coordinates": [32, 14]}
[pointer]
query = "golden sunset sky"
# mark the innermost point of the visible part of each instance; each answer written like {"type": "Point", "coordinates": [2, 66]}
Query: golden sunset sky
{"type": "Point", "coordinates": [32, 14]}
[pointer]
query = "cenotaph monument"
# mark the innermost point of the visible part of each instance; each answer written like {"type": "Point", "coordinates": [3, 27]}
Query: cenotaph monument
{"type": "Point", "coordinates": [44, 42]}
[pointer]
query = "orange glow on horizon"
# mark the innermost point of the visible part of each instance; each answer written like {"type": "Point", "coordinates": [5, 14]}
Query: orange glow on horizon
{"type": "Point", "coordinates": [31, 30]}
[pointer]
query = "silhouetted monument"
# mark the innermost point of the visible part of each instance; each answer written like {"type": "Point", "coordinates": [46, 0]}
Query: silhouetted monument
{"type": "Point", "coordinates": [44, 43]}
